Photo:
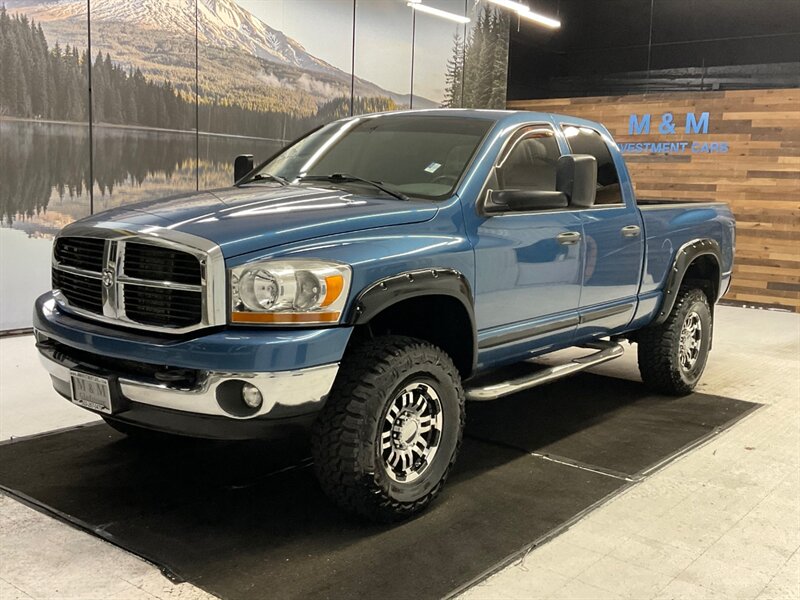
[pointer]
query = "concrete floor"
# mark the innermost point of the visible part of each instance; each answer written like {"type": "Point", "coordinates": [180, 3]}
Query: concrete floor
{"type": "Point", "coordinates": [723, 521]}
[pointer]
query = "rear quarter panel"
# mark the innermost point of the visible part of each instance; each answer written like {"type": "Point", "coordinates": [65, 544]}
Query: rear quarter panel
{"type": "Point", "coordinates": [668, 227]}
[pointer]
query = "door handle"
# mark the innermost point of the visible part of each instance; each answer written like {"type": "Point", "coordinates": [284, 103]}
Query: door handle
{"type": "Point", "coordinates": [631, 231]}
{"type": "Point", "coordinates": [568, 238]}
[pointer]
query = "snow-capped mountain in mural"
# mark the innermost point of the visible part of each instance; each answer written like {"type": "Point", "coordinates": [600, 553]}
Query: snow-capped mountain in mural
{"type": "Point", "coordinates": [220, 23]}
{"type": "Point", "coordinates": [133, 30]}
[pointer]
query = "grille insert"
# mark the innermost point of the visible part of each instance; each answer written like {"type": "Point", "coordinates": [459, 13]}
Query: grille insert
{"type": "Point", "coordinates": [157, 263]}
{"type": "Point", "coordinates": [81, 253]}
{"type": "Point", "coordinates": [162, 306]}
{"type": "Point", "coordinates": [81, 291]}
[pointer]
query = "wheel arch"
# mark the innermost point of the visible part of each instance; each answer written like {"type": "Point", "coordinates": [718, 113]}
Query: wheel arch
{"type": "Point", "coordinates": [432, 304]}
{"type": "Point", "coordinates": [700, 261]}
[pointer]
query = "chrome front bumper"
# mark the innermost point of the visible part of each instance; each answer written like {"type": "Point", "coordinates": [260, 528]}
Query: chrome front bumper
{"type": "Point", "coordinates": [285, 393]}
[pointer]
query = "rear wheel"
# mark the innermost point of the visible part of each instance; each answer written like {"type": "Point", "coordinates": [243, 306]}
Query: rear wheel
{"type": "Point", "coordinates": [390, 431]}
{"type": "Point", "coordinates": [673, 355]}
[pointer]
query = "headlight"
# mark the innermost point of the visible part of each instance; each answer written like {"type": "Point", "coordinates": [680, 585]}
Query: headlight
{"type": "Point", "coordinates": [289, 292]}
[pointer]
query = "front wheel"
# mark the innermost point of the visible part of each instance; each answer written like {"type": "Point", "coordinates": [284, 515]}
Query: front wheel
{"type": "Point", "coordinates": [391, 428]}
{"type": "Point", "coordinates": [673, 355]}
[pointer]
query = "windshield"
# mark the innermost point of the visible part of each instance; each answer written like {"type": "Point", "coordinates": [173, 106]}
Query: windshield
{"type": "Point", "coordinates": [417, 155]}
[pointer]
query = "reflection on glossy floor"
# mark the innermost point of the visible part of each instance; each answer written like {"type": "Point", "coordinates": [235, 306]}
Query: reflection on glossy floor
{"type": "Point", "coordinates": [723, 521]}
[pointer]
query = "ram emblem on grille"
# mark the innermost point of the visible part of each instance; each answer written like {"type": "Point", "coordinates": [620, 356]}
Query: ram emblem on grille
{"type": "Point", "coordinates": [108, 277]}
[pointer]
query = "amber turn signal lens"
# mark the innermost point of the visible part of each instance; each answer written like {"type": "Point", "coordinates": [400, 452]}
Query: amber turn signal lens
{"type": "Point", "coordinates": [334, 285]}
{"type": "Point", "coordinates": [285, 318]}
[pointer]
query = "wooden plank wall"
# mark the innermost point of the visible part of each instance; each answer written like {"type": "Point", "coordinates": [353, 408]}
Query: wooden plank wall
{"type": "Point", "coordinates": [759, 176]}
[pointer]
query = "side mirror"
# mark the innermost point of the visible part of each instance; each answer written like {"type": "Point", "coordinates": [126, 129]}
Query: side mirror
{"type": "Point", "coordinates": [576, 177]}
{"type": "Point", "coordinates": [523, 200]}
{"type": "Point", "coordinates": [242, 166]}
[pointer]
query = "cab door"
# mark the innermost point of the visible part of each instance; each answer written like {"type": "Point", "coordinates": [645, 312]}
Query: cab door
{"type": "Point", "coordinates": [528, 264]}
{"type": "Point", "coordinates": [614, 241]}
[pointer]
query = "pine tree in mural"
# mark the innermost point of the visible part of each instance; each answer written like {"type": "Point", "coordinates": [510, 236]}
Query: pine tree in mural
{"type": "Point", "coordinates": [36, 82]}
{"type": "Point", "coordinates": [454, 78]}
{"type": "Point", "coordinates": [499, 68]}
{"type": "Point", "coordinates": [476, 72]}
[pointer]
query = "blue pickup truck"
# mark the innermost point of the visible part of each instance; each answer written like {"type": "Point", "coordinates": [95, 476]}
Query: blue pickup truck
{"type": "Point", "coordinates": [363, 283]}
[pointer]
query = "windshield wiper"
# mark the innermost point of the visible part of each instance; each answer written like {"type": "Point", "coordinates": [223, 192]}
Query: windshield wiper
{"type": "Point", "coordinates": [345, 177]}
{"type": "Point", "coordinates": [267, 176]}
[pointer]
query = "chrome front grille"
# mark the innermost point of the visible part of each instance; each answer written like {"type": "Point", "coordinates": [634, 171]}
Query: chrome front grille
{"type": "Point", "coordinates": [135, 281]}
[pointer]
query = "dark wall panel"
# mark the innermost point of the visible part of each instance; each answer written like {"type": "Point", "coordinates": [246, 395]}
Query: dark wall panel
{"type": "Point", "coordinates": [692, 20]}
{"type": "Point", "coordinates": [621, 46]}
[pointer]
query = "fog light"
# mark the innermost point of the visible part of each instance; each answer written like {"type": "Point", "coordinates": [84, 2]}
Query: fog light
{"type": "Point", "coordinates": [251, 395]}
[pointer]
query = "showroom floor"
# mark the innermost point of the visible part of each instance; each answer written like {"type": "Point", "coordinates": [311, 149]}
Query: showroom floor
{"type": "Point", "coordinates": [722, 521]}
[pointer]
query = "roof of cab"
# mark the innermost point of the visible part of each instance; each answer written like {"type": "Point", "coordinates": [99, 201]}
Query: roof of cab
{"type": "Point", "coordinates": [510, 117]}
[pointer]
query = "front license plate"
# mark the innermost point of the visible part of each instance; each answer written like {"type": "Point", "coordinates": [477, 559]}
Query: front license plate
{"type": "Point", "coordinates": [91, 391]}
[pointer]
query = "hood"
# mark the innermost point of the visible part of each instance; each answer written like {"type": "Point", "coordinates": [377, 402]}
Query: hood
{"type": "Point", "coordinates": [255, 217]}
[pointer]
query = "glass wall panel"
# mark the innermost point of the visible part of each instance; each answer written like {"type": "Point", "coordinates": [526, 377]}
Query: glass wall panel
{"type": "Point", "coordinates": [382, 56]}
{"type": "Point", "coordinates": [143, 109]}
{"type": "Point", "coordinates": [44, 144]}
{"type": "Point", "coordinates": [270, 70]}
{"type": "Point", "coordinates": [439, 56]}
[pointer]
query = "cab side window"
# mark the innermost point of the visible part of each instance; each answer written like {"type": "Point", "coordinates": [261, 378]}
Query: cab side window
{"type": "Point", "coordinates": [583, 140]}
{"type": "Point", "coordinates": [529, 162]}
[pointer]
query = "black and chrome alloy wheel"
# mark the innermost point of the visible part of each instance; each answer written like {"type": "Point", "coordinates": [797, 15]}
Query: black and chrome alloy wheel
{"type": "Point", "coordinates": [391, 428]}
{"type": "Point", "coordinates": [690, 342]}
{"type": "Point", "coordinates": [411, 432]}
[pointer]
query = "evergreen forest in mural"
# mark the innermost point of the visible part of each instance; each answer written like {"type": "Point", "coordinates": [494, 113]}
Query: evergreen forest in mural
{"type": "Point", "coordinates": [476, 71]}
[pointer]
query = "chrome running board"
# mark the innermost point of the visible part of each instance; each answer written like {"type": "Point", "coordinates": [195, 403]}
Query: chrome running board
{"type": "Point", "coordinates": [605, 351]}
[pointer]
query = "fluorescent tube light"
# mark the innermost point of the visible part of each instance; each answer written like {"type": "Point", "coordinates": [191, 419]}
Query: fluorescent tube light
{"type": "Point", "coordinates": [517, 6]}
{"type": "Point", "coordinates": [526, 13]}
{"type": "Point", "coordinates": [417, 5]}
{"type": "Point", "coordinates": [541, 19]}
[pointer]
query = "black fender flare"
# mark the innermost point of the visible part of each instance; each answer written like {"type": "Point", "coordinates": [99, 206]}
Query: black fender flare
{"type": "Point", "coordinates": [684, 257]}
{"type": "Point", "coordinates": [433, 281]}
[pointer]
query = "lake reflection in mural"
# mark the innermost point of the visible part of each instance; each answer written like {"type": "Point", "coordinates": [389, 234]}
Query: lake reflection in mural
{"type": "Point", "coordinates": [45, 179]}
{"type": "Point", "coordinates": [46, 172]}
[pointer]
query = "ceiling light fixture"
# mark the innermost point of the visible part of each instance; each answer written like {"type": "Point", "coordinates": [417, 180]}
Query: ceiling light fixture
{"type": "Point", "coordinates": [418, 5]}
{"type": "Point", "coordinates": [517, 6]}
{"type": "Point", "coordinates": [526, 13]}
{"type": "Point", "coordinates": [541, 19]}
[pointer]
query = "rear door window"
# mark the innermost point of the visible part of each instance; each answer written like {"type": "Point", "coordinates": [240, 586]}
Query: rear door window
{"type": "Point", "coordinates": [583, 140]}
